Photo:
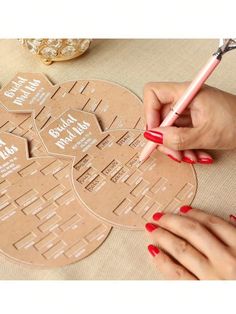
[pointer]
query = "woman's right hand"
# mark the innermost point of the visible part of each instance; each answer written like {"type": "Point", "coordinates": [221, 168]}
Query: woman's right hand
{"type": "Point", "coordinates": [208, 123]}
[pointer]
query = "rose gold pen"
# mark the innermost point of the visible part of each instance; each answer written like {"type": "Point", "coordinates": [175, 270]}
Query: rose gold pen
{"type": "Point", "coordinates": [190, 93]}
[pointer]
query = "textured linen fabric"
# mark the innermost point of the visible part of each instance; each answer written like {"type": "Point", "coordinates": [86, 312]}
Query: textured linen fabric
{"type": "Point", "coordinates": [132, 63]}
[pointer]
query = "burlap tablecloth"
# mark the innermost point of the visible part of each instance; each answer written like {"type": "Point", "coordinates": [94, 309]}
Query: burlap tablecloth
{"type": "Point", "coordinates": [132, 63]}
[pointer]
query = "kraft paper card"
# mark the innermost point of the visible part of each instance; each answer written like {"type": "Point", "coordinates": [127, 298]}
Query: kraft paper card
{"type": "Point", "coordinates": [114, 105]}
{"type": "Point", "coordinates": [107, 174]}
{"type": "Point", "coordinates": [41, 222]}
{"type": "Point", "coordinates": [100, 97]}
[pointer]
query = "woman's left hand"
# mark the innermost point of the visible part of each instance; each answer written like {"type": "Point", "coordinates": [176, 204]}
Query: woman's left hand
{"type": "Point", "coordinates": [193, 245]}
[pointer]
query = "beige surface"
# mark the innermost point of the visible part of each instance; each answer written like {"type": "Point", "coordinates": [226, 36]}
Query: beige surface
{"type": "Point", "coordinates": [132, 63]}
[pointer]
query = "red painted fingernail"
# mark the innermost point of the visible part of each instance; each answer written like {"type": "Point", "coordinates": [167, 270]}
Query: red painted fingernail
{"type": "Point", "coordinates": [232, 217]}
{"type": "Point", "coordinates": [157, 216]}
{"type": "Point", "coordinates": [153, 250]}
{"type": "Point", "coordinates": [154, 136]}
{"type": "Point", "coordinates": [188, 160]}
{"type": "Point", "coordinates": [185, 209]}
{"type": "Point", "coordinates": [205, 160]}
{"type": "Point", "coordinates": [150, 227]}
{"type": "Point", "coordinates": [173, 158]}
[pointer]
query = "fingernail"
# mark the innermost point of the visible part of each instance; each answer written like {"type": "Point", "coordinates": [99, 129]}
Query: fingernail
{"type": "Point", "coordinates": [173, 158]}
{"type": "Point", "coordinates": [184, 209]}
{"type": "Point", "coordinates": [153, 250]}
{"type": "Point", "coordinates": [154, 136]}
{"type": "Point", "coordinates": [157, 216]}
{"type": "Point", "coordinates": [150, 227]}
{"type": "Point", "coordinates": [205, 160]}
{"type": "Point", "coordinates": [232, 217]}
{"type": "Point", "coordinates": [188, 160]}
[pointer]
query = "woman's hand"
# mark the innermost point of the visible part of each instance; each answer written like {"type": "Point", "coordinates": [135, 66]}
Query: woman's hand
{"type": "Point", "coordinates": [208, 123]}
{"type": "Point", "coordinates": [193, 245]}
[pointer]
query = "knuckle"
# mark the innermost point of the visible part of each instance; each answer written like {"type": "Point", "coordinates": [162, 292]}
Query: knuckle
{"type": "Point", "coordinates": [181, 247]}
{"type": "Point", "coordinates": [193, 226]}
{"type": "Point", "coordinates": [165, 260]}
{"type": "Point", "coordinates": [179, 273]}
{"type": "Point", "coordinates": [212, 220]}
{"type": "Point", "coordinates": [178, 140]}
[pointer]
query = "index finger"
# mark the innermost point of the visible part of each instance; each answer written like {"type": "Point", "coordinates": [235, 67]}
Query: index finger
{"type": "Point", "coordinates": [155, 96]}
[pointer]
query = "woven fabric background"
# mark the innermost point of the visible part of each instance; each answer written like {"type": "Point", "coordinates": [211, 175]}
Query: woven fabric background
{"type": "Point", "coordinates": [132, 63]}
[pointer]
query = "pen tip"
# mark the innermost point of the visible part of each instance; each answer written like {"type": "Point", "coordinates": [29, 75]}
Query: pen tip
{"type": "Point", "coordinates": [141, 158]}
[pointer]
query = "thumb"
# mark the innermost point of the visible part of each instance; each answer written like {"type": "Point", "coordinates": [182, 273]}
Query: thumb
{"type": "Point", "coordinates": [175, 138]}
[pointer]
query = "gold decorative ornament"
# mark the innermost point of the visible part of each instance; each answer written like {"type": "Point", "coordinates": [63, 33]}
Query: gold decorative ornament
{"type": "Point", "coordinates": [50, 50]}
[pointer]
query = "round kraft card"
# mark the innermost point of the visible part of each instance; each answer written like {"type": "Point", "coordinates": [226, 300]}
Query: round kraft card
{"type": "Point", "coordinates": [41, 221]}
{"type": "Point", "coordinates": [108, 176]}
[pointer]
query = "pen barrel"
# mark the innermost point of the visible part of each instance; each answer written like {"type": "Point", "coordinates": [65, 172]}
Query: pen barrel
{"type": "Point", "coordinates": [191, 91]}
{"type": "Point", "coordinates": [182, 103]}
